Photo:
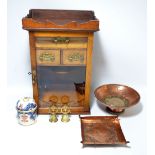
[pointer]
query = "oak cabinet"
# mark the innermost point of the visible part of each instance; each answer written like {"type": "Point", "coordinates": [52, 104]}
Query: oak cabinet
{"type": "Point", "coordinates": [61, 43]}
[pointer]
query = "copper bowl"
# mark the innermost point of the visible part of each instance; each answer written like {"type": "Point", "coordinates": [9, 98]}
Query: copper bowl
{"type": "Point", "coordinates": [117, 97]}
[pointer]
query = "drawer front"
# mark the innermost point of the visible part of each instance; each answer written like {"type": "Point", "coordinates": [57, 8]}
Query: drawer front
{"type": "Point", "coordinates": [61, 42]}
{"type": "Point", "coordinates": [48, 57]}
{"type": "Point", "coordinates": [74, 57]}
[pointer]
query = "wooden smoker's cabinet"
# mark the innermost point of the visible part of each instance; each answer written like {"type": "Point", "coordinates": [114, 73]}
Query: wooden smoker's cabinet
{"type": "Point", "coordinates": [61, 43]}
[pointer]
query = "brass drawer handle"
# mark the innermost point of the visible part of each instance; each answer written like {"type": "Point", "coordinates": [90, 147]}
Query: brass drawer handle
{"type": "Point", "coordinates": [61, 40]}
{"type": "Point", "coordinates": [47, 57]}
{"type": "Point", "coordinates": [76, 57]}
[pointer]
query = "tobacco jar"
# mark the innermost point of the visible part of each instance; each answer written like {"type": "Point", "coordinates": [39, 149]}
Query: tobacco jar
{"type": "Point", "coordinates": [26, 111]}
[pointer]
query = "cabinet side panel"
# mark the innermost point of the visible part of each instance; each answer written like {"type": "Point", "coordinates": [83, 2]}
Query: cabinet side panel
{"type": "Point", "coordinates": [88, 71]}
{"type": "Point", "coordinates": [33, 65]}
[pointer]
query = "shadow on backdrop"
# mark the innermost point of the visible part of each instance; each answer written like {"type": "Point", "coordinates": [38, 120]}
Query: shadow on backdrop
{"type": "Point", "coordinates": [98, 64]}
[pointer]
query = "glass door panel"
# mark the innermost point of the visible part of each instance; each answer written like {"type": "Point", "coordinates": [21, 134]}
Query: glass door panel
{"type": "Point", "coordinates": [59, 82]}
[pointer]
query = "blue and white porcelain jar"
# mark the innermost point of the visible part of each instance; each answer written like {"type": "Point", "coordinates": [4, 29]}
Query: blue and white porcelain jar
{"type": "Point", "coordinates": [26, 111]}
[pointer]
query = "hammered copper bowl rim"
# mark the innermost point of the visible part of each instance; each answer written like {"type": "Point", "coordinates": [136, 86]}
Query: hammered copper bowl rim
{"type": "Point", "coordinates": [133, 97]}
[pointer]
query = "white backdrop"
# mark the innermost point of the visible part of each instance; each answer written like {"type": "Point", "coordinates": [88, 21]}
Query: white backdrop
{"type": "Point", "coordinates": [119, 57]}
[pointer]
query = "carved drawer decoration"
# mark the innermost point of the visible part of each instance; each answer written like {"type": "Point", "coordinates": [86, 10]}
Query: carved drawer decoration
{"type": "Point", "coordinates": [48, 57]}
{"type": "Point", "coordinates": [74, 57]}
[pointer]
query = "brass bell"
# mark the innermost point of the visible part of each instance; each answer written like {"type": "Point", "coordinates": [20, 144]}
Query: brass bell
{"type": "Point", "coordinates": [65, 118]}
{"type": "Point", "coordinates": [53, 110]}
{"type": "Point", "coordinates": [53, 118]}
{"type": "Point", "coordinates": [65, 110]}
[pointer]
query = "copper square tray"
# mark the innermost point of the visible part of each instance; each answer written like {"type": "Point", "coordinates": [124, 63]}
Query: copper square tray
{"type": "Point", "coordinates": [101, 130]}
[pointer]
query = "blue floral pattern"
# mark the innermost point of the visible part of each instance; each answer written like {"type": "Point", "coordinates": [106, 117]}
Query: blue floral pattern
{"type": "Point", "coordinates": [26, 111]}
{"type": "Point", "coordinates": [29, 107]}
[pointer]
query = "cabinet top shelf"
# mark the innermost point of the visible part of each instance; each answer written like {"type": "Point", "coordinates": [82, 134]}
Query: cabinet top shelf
{"type": "Point", "coordinates": [60, 20]}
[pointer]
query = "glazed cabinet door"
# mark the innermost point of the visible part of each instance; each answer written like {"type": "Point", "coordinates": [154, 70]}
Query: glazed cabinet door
{"type": "Point", "coordinates": [61, 72]}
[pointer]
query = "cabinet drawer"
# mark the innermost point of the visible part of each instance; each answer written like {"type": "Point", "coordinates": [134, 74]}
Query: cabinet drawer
{"type": "Point", "coordinates": [74, 57]}
{"type": "Point", "coordinates": [61, 43]}
{"type": "Point", "coordinates": [48, 57]}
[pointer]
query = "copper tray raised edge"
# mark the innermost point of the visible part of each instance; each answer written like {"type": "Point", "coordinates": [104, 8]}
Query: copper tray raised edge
{"type": "Point", "coordinates": [94, 119]}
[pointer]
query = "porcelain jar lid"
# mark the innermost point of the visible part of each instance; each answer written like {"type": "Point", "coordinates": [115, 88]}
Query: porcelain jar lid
{"type": "Point", "coordinates": [26, 104]}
